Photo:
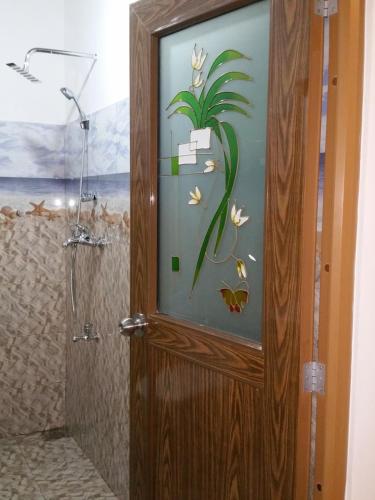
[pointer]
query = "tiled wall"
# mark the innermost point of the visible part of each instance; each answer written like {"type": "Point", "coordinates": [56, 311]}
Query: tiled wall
{"type": "Point", "coordinates": [98, 373]}
{"type": "Point", "coordinates": [36, 320]}
{"type": "Point", "coordinates": [32, 290]}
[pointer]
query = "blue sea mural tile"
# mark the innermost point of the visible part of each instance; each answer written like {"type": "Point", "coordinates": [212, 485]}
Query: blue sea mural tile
{"type": "Point", "coordinates": [31, 150]}
{"type": "Point", "coordinates": [40, 164]}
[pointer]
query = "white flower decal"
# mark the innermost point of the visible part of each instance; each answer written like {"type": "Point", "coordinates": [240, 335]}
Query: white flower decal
{"type": "Point", "coordinates": [236, 217]}
{"type": "Point", "coordinates": [197, 82]}
{"type": "Point", "coordinates": [196, 197]}
{"type": "Point", "coordinates": [241, 269]}
{"type": "Point", "coordinates": [197, 60]}
{"type": "Point", "coordinates": [211, 166]}
{"type": "Point", "coordinates": [251, 257]}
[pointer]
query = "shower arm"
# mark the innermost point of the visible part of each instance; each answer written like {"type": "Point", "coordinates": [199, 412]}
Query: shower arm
{"type": "Point", "coordinates": [68, 53]}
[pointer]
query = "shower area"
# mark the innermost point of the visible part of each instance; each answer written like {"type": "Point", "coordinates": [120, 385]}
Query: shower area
{"type": "Point", "coordinates": [64, 249]}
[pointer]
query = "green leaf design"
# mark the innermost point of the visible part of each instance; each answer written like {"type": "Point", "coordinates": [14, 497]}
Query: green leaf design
{"type": "Point", "coordinates": [225, 106]}
{"type": "Point", "coordinates": [223, 220]}
{"type": "Point", "coordinates": [202, 96]}
{"type": "Point", "coordinates": [229, 96]}
{"type": "Point", "coordinates": [188, 98]}
{"type": "Point", "coordinates": [215, 125]}
{"type": "Point", "coordinates": [224, 57]}
{"type": "Point", "coordinates": [202, 112]}
{"type": "Point", "coordinates": [227, 169]}
{"type": "Point", "coordinates": [224, 213]}
{"type": "Point", "coordinates": [187, 111]}
{"type": "Point", "coordinates": [216, 86]}
{"type": "Point", "coordinates": [233, 153]}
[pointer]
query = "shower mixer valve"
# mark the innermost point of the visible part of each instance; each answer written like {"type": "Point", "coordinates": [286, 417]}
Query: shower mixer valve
{"type": "Point", "coordinates": [81, 235]}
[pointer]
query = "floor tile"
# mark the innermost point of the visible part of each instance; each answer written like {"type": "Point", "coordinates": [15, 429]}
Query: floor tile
{"type": "Point", "coordinates": [51, 469]}
{"type": "Point", "coordinates": [11, 458]}
{"type": "Point", "coordinates": [19, 485]}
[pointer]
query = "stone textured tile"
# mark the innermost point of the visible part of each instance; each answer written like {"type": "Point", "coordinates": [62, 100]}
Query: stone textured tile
{"type": "Point", "coordinates": [33, 467]}
{"type": "Point", "coordinates": [97, 391]}
{"type": "Point", "coordinates": [31, 406]}
{"type": "Point", "coordinates": [19, 486]}
{"type": "Point", "coordinates": [37, 358]}
{"type": "Point", "coordinates": [61, 470]}
{"type": "Point", "coordinates": [32, 326]}
{"type": "Point", "coordinates": [11, 458]}
{"type": "Point", "coordinates": [16, 480]}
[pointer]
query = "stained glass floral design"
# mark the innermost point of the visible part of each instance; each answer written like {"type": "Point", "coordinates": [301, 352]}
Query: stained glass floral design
{"type": "Point", "coordinates": [203, 104]}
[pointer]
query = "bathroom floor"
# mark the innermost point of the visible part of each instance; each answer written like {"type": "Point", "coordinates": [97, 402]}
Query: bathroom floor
{"type": "Point", "coordinates": [37, 467]}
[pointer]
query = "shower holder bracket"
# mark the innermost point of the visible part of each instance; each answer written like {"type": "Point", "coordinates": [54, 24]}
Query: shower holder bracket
{"type": "Point", "coordinates": [89, 197]}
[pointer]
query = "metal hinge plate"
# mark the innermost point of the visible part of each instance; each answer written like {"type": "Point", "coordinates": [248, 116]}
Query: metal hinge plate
{"type": "Point", "coordinates": [314, 376]}
{"type": "Point", "coordinates": [326, 8]}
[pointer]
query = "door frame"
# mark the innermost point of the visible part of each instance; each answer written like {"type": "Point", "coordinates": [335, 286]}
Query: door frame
{"type": "Point", "coordinates": [342, 167]}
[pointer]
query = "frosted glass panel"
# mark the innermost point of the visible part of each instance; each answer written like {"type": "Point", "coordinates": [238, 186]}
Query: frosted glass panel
{"type": "Point", "coordinates": [212, 143]}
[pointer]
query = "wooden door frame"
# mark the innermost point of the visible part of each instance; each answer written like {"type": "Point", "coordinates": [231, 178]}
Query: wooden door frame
{"type": "Point", "coordinates": [338, 244]}
{"type": "Point", "coordinates": [309, 237]}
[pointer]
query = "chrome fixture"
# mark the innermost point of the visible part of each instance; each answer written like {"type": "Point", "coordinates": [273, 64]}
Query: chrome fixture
{"type": "Point", "coordinates": [134, 325]}
{"type": "Point", "coordinates": [24, 70]}
{"type": "Point", "coordinates": [88, 333]}
{"type": "Point", "coordinates": [81, 235]}
{"type": "Point", "coordinates": [85, 123]}
{"type": "Point", "coordinates": [85, 197]}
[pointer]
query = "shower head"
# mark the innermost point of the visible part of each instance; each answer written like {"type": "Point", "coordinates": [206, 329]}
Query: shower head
{"type": "Point", "coordinates": [24, 72]}
{"type": "Point", "coordinates": [67, 93]}
{"type": "Point", "coordinates": [70, 96]}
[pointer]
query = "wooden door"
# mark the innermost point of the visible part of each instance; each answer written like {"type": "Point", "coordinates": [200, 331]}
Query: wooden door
{"type": "Point", "coordinates": [215, 416]}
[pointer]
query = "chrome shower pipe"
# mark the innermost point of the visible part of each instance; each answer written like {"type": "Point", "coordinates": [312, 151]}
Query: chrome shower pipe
{"type": "Point", "coordinates": [24, 70]}
{"type": "Point", "coordinates": [55, 52]}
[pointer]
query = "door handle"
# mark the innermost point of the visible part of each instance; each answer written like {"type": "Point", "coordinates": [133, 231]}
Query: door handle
{"type": "Point", "coordinates": [134, 325]}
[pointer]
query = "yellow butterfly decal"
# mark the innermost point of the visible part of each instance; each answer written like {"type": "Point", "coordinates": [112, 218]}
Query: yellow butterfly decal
{"type": "Point", "coordinates": [235, 299]}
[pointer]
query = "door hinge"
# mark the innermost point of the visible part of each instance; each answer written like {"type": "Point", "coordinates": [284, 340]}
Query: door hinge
{"type": "Point", "coordinates": [326, 8]}
{"type": "Point", "coordinates": [314, 377]}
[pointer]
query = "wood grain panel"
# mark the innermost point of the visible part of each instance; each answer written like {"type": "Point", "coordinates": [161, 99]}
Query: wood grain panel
{"type": "Point", "coordinates": [163, 17]}
{"type": "Point", "coordinates": [310, 246]}
{"type": "Point", "coordinates": [217, 351]}
{"type": "Point", "coordinates": [206, 435]}
{"type": "Point", "coordinates": [140, 54]}
{"type": "Point", "coordinates": [214, 418]}
{"type": "Point", "coordinates": [338, 243]}
{"type": "Point", "coordinates": [284, 208]}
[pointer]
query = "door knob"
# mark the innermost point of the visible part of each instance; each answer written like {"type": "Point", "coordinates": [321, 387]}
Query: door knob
{"type": "Point", "coordinates": [134, 325]}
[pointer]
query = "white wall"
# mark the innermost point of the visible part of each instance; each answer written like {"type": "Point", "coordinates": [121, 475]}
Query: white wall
{"type": "Point", "coordinates": [99, 26]}
{"type": "Point", "coordinates": [361, 459]}
{"type": "Point", "coordinates": [82, 25]}
{"type": "Point", "coordinates": [25, 24]}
